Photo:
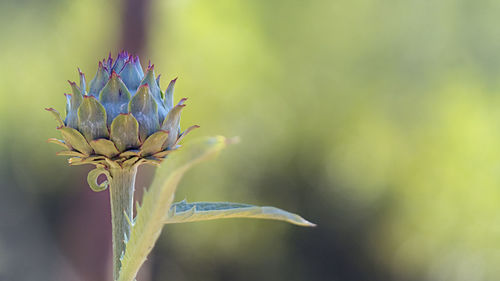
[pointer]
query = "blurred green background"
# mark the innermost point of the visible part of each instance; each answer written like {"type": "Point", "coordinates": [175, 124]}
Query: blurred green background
{"type": "Point", "coordinates": [377, 120]}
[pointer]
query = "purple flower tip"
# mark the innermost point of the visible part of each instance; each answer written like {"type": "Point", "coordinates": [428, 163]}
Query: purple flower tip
{"type": "Point", "coordinates": [114, 75]}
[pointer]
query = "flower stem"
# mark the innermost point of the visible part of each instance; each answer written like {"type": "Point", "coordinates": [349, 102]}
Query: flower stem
{"type": "Point", "coordinates": [121, 195]}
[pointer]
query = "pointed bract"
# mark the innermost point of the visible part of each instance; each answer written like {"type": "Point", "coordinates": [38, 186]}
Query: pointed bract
{"type": "Point", "coordinates": [158, 80]}
{"type": "Point", "coordinates": [68, 105]}
{"type": "Point", "coordinates": [144, 108]}
{"type": "Point", "coordinates": [154, 143]}
{"type": "Point", "coordinates": [92, 119]}
{"type": "Point", "coordinates": [76, 140]}
{"type": "Point", "coordinates": [83, 84]}
{"type": "Point", "coordinates": [120, 61]}
{"type": "Point", "coordinates": [138, 66]}
{"type": "Point", "coordinates": [149, 79]}
{"type": "Point", "coordinates": [169, 95]}
{"type": "Point", "coordinates": [171, 123]}
{"type": "Point", "coordinates": [185, 133]}
{"type": "Point", "coordinates": [131, 76]}
{"type": "Point", "coordinates": [99, 81]}
{"type": "Point", "coordinates": [57, 116]}
{"type": "Point", "coordinates": [59, 142]}
{"type": "Point", "coordinates": [75, 89]}
{"type": "Point", "coordinates": [104, 147]}
{"type": "Point", "coordinates": [70, 153]}
{"type": "Point", "coordinates": [125, 132]}
{"type": "Point", "coordinates": [114, 97]}
{"type": "Point", "coordinates": [109, 62]}
{"type": "Point", "coordinates": [73, 102]}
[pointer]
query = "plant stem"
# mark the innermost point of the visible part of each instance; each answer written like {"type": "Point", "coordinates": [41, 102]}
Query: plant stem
{"type": "Point", "coordinates": [121, 195]}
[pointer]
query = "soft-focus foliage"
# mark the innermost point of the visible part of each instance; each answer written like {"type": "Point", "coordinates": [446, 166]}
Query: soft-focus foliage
{"type": "Point", "coordinates": [378, 120]}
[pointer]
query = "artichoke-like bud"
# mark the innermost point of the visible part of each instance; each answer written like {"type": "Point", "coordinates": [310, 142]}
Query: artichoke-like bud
{"type": "Point", "coordinates": [122, 119]}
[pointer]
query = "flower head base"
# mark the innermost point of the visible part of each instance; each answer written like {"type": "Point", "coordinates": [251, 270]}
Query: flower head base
{"type": "Point", "coordinates": [122, 119]}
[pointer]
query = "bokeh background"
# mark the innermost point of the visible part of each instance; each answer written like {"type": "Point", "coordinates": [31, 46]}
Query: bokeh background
{"type": "Point", "coordinates": [378, 120]}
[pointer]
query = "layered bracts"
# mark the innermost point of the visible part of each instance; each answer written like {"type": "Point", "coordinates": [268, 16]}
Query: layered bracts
{"type": "Point", "coordinates": [122, 119]}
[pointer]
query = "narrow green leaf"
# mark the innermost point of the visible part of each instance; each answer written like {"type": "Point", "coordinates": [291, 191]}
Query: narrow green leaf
{"type": "Point", "coordinates": [156, 202]}
{"type": "Point", "coordinates": [57, 116]}
{"type": "Point", "coordinates": [59, 142]}
{"type": "Point", "coordinates": [125, 132]}
{"type": "Point", "coordinates": [88, 160]}
{"type": "Point", "coordinates": [202, 211]}
{"type": "Point", "coordinates": [76, 140]}
{"type": "Point", "coordinates": [69, 153]}
{"type": "Point", "coordinates": [74, 160]}
{"type": "Point", "coordinates": [184, 134]}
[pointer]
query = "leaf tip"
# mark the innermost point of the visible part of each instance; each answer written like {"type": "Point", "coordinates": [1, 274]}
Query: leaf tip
{"type": "Point", "coordinates": [308, 223]}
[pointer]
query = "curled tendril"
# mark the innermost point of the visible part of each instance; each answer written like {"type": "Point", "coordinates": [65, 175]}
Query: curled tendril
{"type": "Point", "coordinates": [92, 179]}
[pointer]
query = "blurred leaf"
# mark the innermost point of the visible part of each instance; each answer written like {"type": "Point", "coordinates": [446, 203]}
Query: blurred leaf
{"type": "Point", "coordinates": [149, 220]}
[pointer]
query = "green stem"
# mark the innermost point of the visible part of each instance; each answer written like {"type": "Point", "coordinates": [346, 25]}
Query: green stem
{"type": "Point", "coordinates": [121, 195]}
